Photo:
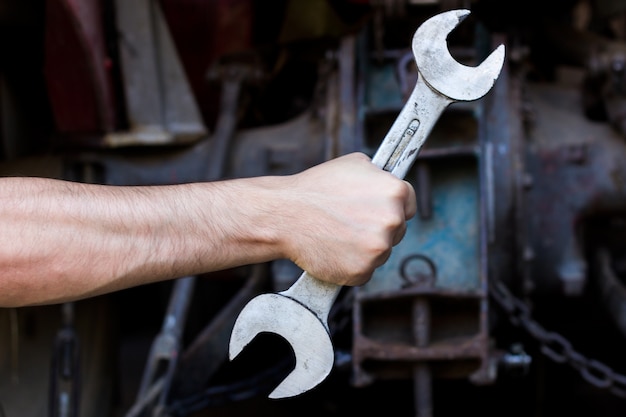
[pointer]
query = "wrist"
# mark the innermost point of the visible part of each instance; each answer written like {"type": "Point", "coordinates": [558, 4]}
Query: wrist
{"type": "Point", "coordinates": [243, 220]}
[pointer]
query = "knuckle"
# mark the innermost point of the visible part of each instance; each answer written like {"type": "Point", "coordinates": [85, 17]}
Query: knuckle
{"type": "Point", "coordinates": [378, 247]}
{"type": "Point", "coordinates": [393, 221]}
{"type": "Point", "coordinates": [399, 189]}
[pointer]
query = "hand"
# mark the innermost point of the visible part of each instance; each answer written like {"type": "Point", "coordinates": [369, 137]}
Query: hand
{"type": "Point", "coordinates": [350, 214]}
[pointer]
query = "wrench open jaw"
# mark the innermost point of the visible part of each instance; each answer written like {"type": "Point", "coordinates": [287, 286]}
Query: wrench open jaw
{"type": "Point", "coordinates": [302, 328]}
{"type": "Point", "coordinates": [299, 314]}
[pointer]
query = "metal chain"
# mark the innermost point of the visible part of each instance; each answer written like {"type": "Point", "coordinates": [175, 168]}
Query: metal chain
{"type": "Point", "coordinates": [555, 346]}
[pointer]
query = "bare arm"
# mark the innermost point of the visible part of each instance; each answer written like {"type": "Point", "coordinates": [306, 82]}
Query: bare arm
{"type": "Point", "coordinates": [62, 240]}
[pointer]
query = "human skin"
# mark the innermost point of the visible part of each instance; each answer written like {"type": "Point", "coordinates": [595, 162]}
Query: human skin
{"type": "Point", "coordinates": [64, 241]}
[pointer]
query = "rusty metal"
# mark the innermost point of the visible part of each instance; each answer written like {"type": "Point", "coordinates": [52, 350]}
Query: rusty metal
{"type": "Point", "coordinates": [593, 181]}
{"type": "Point", "coordinates": [368, 346]}
{"type": "Point", "coordinates": [381, 312]}
{"type": "Point", "coordinates": [418, 278]}
{"type": "Point", "coordinates": [556, 347]}
{"type": "Point", "coordinates": [422, 375]}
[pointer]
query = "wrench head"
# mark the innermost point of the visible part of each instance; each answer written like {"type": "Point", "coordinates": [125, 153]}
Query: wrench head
{"type": "Point", "coordinates": [305, 332]}
{"type": "Point", "coordinates": [441, 71]}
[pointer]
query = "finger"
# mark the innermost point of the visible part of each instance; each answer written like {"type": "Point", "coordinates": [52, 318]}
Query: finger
{"type": "Point", "coordinates": [381, 259]}
{"type": "Point", "coordinates": [399, 235]}
{"type": "Point", "coordinates": [410, 203]}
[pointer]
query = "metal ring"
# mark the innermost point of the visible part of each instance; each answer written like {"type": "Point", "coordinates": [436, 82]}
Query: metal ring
{"type": "Point", "coordinates": [598, 374]}
{"type": "Point", "coordinates": [420, 279]}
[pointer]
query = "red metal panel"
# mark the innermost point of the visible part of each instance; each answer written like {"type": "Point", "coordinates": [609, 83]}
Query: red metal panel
{"type": "Point", "coordinates": [204, 30]}
{"type": "Point", "coordinates": [77, 68]}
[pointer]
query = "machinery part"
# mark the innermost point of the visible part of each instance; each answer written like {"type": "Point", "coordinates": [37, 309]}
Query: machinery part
{"type": "Point", "coordinates": [232, 78]}
{"type": "Point", "coordinates": [300, 313]}
{"type": "Point", "coordinates": [555, 346]}
{"type": "Point", "coordinates": [64, 397]}
{"type": "Point", "coordinates": [562, 154]}
{"type": "Point", "coordinates": [612, 289]}
{"type": "Point", "coordinates": [165, 349]}
{"type": "Point", "coordinates": [78, 69]}
{"type": "Point", "coordinates": [204, 355]}
{"type": "Point", "coordinates": [161, 106]}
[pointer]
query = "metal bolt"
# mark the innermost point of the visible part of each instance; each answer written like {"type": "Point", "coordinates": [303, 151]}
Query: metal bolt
{"type": "Point", "coordinates": [516, 360]}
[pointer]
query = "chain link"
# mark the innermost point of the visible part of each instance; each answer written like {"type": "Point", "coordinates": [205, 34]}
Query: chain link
{"type": "Point", "coordinates": [557, 347]}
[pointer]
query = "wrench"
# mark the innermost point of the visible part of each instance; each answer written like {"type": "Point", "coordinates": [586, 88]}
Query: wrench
{"type": "Point", "coordinates": [300, 313]}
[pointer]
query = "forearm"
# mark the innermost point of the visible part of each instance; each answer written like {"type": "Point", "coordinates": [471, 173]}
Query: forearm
{"type": "Point", "coordinates": [64, 240]}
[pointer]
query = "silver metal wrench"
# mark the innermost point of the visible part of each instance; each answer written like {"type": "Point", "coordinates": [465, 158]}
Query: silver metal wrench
{"type": "Point", "coordinates": [300, 313]}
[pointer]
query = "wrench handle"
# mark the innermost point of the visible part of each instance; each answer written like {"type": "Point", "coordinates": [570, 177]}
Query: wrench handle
{"type": "Point", "coordinates": [315, 294]}
{"type": "Point", "coordinates": [403, 141]}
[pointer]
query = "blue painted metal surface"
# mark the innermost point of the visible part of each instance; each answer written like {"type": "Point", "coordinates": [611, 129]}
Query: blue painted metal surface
{"type": "Point", "coordinates": [450, 237]}
{"type": "Point", "coordinates": [387, 93]}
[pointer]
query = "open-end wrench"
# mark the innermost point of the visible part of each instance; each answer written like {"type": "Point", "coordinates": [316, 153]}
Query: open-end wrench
{"type": "Point", "coordinates": [300, 313]}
